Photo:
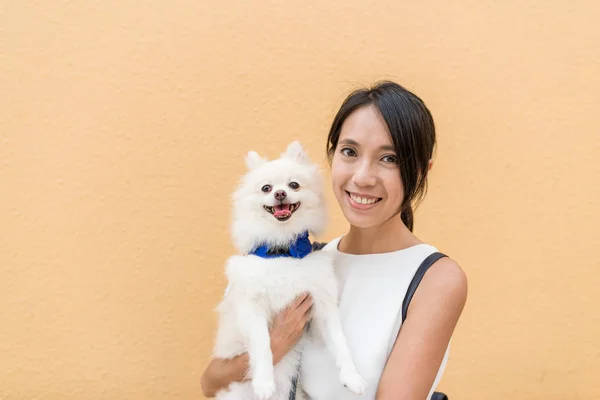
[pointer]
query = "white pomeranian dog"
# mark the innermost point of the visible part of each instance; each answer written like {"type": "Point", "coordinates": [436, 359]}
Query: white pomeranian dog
{"type": "Point", "coordinates": [277, 204]}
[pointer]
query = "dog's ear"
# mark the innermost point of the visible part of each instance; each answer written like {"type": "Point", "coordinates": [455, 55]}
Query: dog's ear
{"type": "Point", "coordinates": [253, 160]}
{"type": "Point", "coordinates": [296, 152]}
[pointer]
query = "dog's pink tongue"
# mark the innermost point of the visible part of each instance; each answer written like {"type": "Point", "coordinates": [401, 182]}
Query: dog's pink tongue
{"type": "Point", "coordinates": [282, 210]}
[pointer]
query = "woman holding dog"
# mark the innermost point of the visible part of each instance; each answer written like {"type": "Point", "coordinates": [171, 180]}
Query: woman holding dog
{"type": "Point", "coordinates": [380, 148]}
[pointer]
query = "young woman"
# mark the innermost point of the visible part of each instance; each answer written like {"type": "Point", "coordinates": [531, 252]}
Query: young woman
{"type": "Point", "coordinates": [380, 147]}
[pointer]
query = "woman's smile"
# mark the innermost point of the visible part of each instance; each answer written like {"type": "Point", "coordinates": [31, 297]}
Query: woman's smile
{"type": "Point", "coordinates": [362, 202]}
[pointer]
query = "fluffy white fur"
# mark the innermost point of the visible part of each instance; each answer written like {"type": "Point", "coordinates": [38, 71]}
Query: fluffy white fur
{"type": "Point", "coordinates": [259, 288]}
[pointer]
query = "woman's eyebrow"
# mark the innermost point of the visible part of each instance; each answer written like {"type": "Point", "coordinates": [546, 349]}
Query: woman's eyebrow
{"type": "Point", "coordinates": [350, 142]}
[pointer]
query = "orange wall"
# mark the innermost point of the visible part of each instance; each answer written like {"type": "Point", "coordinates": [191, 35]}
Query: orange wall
{"type": "Point", "coordinates": [122, 132]}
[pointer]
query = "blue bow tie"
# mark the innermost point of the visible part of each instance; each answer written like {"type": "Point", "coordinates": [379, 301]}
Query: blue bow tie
{"type": "Point", "coordinates": [298, 249]}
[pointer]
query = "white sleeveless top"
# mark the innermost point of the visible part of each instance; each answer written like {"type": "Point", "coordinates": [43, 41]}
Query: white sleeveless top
{"type": "Point", "coordinates": [372, 288]}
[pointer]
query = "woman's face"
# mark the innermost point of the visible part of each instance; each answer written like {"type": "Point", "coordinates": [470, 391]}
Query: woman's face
{"type": "Point", "coordinates": [365, 175]}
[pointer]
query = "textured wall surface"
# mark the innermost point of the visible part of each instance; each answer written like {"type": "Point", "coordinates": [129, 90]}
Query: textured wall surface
{"type": "Point", "coordinates": [123, 127]}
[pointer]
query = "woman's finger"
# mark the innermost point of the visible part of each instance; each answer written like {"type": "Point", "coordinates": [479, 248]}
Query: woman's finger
{"type": "Point", "coordinates": [306, 304]}
{"type": "Point", "coordinates": [299, 300]}
{"type": "Point", "coordinates": [308, 310]}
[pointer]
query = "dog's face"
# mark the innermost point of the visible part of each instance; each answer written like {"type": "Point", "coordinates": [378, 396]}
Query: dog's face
{"type": "Point", "coordinates": [278, 200]}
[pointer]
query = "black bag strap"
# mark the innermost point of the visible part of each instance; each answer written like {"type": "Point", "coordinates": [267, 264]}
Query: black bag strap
{"type": "Point", "coordinates": [412, 288]}
{"type": "Point", "coordinates": [414, 284]}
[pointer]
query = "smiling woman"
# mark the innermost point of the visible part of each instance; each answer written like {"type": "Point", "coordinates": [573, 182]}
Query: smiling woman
{"type": "Point", "coordinates": [380, 146]}
{"type": "Point", "coordinates": [400, 299]}
{"type": "Point", "coordinates": [377, 136]}
{"type": "Point", "coordinates": [365, 170]}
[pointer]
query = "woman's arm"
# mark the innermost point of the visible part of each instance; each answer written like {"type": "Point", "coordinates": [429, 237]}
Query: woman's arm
{"type": "Point", "coordinates": [421, 344]}
{"type": "Point", "coordinates": [286, 330]}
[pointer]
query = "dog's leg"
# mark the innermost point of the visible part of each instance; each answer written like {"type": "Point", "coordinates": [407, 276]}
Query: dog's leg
{"type": "Point", "coordinates": [254, 322]}
{"type": "Point", "coordinates": [328, 322]}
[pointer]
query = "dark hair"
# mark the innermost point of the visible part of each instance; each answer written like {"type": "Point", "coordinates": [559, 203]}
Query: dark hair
{"type": "Point", "coordinates": [412, 130]}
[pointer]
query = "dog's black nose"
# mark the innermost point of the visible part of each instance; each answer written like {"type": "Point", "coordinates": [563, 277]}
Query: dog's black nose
{"type": "Point", "coordinates": [280, 194]}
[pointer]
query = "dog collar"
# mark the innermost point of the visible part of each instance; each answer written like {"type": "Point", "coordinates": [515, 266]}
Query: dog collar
{"type": "Point", "coordinates": [300, 248]}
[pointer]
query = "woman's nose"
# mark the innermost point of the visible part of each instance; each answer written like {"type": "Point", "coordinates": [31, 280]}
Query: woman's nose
{"type": "Point", "coordinates": [364, 175]}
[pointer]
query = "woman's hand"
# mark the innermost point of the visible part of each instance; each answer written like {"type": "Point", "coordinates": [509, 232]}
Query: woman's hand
{"type": "Point", "coordinates": [288, 326]}
{"type": "Point", "coordinates": [286, 330]}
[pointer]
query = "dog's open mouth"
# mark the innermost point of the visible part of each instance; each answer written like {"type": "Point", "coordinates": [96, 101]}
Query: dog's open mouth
{"type": "Point", "coordinates": [283, 212]}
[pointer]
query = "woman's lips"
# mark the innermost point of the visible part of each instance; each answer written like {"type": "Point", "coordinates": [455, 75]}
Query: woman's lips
{"type": "Point", "coordinates": [362, 201]}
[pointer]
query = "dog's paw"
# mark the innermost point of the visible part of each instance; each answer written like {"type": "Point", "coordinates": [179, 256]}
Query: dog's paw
{"type": "Point", "coordinates": [263, 389]}
{"type": "Point", "coordinates": [353, 381]}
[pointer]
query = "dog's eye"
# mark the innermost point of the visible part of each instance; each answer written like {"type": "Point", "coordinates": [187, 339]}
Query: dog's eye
{"type": "Point", "coordinates": [266, 188]}
{"type": "Point", "coordinates": [294, 185]}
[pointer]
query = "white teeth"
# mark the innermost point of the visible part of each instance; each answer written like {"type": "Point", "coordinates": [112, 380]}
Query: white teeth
{"type": "Point", "coordinates": [362, 200]}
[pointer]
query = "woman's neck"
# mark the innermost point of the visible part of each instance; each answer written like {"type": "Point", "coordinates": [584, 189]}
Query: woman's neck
{"type": "Point", "coordinates": [390, 236]}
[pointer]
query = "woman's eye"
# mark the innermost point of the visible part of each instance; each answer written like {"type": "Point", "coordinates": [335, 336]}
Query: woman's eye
{"type": "Point", "coordinates": [390, 159]}
{"type": "Point", "coordinates": [348, 152]}
{"type": "Point", "coordinates": [294, 185]}
{"type": "Point", "coordinates": [266, 188]}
